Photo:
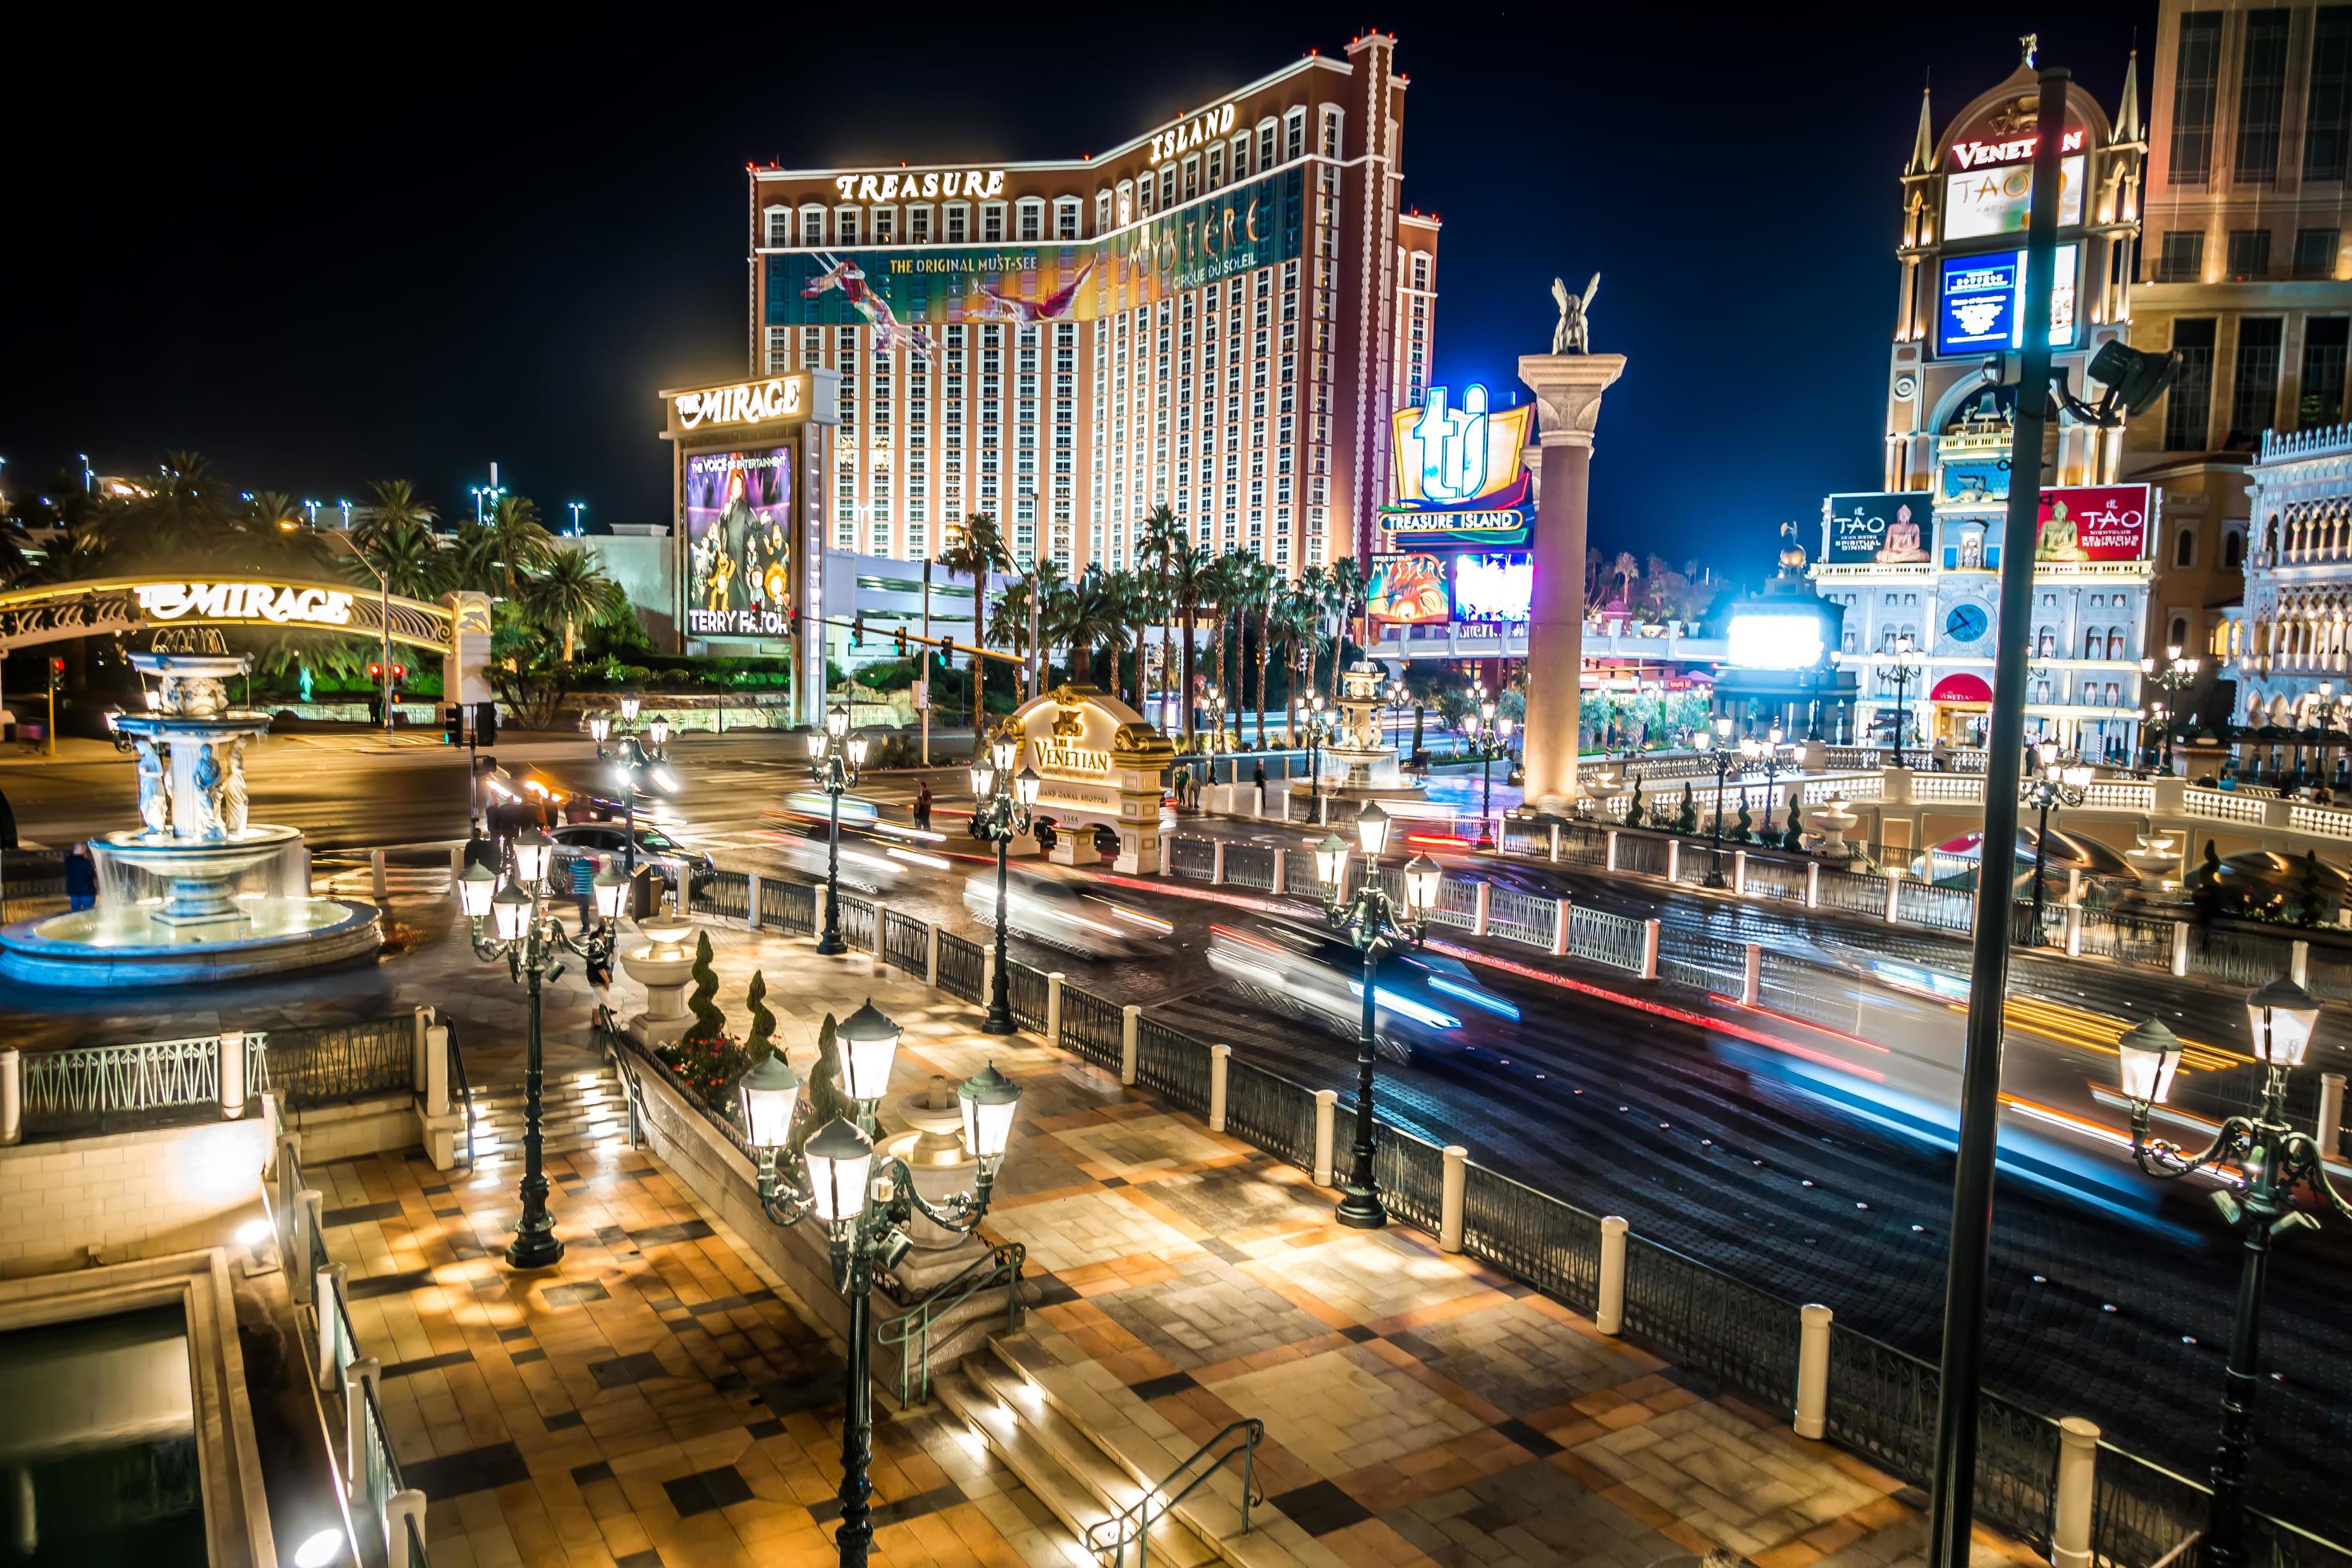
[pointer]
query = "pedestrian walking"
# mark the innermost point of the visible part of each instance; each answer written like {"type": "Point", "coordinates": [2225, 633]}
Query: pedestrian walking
{"type": "Point", "coordinates": [600, 985]}
{"type": "Point", "coordinates": [81, 878]}
{"type": "Point", "coordinates": [1939, 755]}
{"type": "Point", "coordinates": [1257, 778]}
{"type": "Point", "coordinates": [1183, 784]}
{"type": "Point", "coordinates": [482, 850]}
{"type": "Point", "coordinates": [583, 887]}
{"type": "Point", "coordinates": [923, 806]}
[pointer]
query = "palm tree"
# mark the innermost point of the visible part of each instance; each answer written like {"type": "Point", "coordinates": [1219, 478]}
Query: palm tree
{"type": "Point", "coordinates": [1253, 593]}
{"type": "Point", "coordinates": [977, 549]}
{"type": "Point", "coordinates": [1084, 617]}
{"type": "Point", "coordinates": [1008, 621]}
{"type": "Point", "coordinates": [274, 512]}
{"type": "Point", "coordinates": [409, 555]}
{"type": "Point", "coordinates": [1297, 626]}
{"type": "Point", "coordinates": [1129, 609]}
{"type": "Point", "coordinates": [396, 508]}
{"type": "Point", "coordinates": [571, 587]}
{"type": "Point", "coordinates": [1041, 584]}
{"type": "Point", "coordinates": [1223, 572]}
{"type": "Point", "coordinates": [1155, 545]}
{"type": "Point", "coordinates": [185, 513]}
{"type": "Point", "coordinates": [1192, 579]}
{"type": "Point", "coordinates": [518, 542]}
{"type": "Point", "coordinates": [1345, 585]}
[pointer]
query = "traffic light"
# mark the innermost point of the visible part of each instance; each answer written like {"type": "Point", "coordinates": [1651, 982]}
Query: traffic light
{"type": "Point", "coordinates": [375, 671]}
{"type": "Point", "coordinates": [900, 636]}
{"type": "Point", "coordinates": [452, 725]}
{"type": "Point", "coordinates": [486, 723]}
{"type": "Point", "coordinates": [857, 630]}
{"type": "Point", "coordinates": [400, 672]}
{"type": "Point", "coordinates": [57, 672]}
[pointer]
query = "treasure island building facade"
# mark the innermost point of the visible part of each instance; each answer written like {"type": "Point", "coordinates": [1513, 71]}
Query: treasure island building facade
{"type": "Point", "coordinates": [1218, 315]}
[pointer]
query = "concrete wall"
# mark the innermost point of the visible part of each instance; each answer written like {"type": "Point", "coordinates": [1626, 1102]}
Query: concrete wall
{"type": "Point", "coordinates": [130, 1195]}
{"type": "Point", "coordinates": [646, 566]}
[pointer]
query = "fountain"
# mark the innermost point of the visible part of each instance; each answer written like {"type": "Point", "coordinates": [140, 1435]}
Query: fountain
{"type": "Point", "coordinates": [1356, 741]}
{"type": "Point", "coordinates": [195, 892]}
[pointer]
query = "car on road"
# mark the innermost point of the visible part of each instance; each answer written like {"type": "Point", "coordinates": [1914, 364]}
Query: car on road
{"type": "Point", "coordinates": [866, 863]}
{"type": "Point", "coordinates": [676, 861]}
{"type": "Point", "coordinates": [1059, 913]}
{"type": "Point", "coordinates": [1308, 972]}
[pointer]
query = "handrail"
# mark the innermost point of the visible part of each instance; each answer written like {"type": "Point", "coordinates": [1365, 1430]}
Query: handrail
{"type": "Point", "coordinates": [1135, 1521]}
{"type": "Point", "coordinates": [1004, 1262]}
{"type": "Point", "coordinates": [465, 1089]}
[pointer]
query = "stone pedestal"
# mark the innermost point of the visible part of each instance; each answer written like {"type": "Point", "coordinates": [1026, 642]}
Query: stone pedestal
{"type": "Point", "coordinates": [663, 966]}
{"type": "Point", "coordinates": [1567, 389]}
{"type": "Point", "coordinates": [933, 1149]}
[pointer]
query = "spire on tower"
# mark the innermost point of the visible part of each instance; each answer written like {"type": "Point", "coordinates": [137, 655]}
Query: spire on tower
{"type": "Point", "coordinates": [2127, 115]}
{"type": "Point", "coordinates": [1922, 144]}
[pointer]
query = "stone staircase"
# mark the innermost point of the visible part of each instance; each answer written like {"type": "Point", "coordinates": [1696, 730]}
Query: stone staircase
{"type": "Point", "coordinates": [577, 1110]}
{"type": "Point", "coordinates": [1087, 1448]}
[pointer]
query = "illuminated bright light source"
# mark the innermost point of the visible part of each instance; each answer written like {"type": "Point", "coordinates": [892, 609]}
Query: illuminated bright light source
{"type": "Point", "coordinates": [1420, 1012]}
{"type": "Point", "coordinates": [1139, 918]}
{"type": "Point", "coordinates": [1475, 997]}
{"type": "Point", "coordinates": [935, 862]}
{"type": "Point", "coordinates": [320, 1550]}
{"type": "Point", "coordinates": [253, 1233]}
{"type": "Point", "coordinates": [1775, 642]}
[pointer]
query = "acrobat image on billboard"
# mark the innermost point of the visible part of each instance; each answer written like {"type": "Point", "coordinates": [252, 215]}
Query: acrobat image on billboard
{"type": "Point", "coordinates": [1408, 590]}
{"type": "Point", "coordinates": [737, 533]}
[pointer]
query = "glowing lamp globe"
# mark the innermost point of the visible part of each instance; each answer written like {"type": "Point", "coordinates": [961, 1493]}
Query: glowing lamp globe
{"type": "Point", "coordinates": [612, 889]}
{"type": "Point", "coordinates": [987, 1101]}
{"type": "Point", "coordinates": [870, 1046]}
{"type": "Point", "coordinates": [1420, 877]}
{"type": "Point", "coordinates": [1006, 754]}
{"type": "Point", "coordinates": [768, 1094]}
{"type": "Point", "coordinates": [510, 909]}
{"type": "Point", "coordinates": [659, 730]}
{"type": "Point", "coordinates": [532, 850]}
{"type": "Point", "coordinates": [1330, 859]}
{"type": "Point", "coordinates": [1372, 830]}
{"type": "Point", "coordinates": [840, 1158]}
{"type": "Point", "coordinates": [858, 744]}
{"type": "Point", "coordinates": [816, 741]}
{"type": "Point", "coordinates": [836, 722]}
{"type": "Point", "coordinates": [600, 725]}
{"type": "Point", "coordinates": [984, 781]}
{"type": "Point", "coordinates": [629, 705]}
{"type": "Point", "coordinates": [475, 886]}
{"type": "Point", "coordinates": [2147, 1054]}
{"type": "Point", "coordinates": [1026, 784]}
{"type": "Point", "coordinates": [2282, 1015]}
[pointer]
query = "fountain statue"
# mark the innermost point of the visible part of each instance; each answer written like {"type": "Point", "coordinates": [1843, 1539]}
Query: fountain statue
{"type": "Point", "coordinates": [197, 893]}
{"type": "Point", "coordinates": [1355, 742]}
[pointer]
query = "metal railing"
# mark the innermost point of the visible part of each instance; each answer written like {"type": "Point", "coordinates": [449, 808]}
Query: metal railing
{"type": "Point", "coordinates": [788, 907]}
{"type": "Point", "coordinates": [1092, 1028]}
{"type": "Point", "coordinates": [1531, 1235]}
{"type": "Point", "coordinates": [1271, 1112]}
{"type": "Point", "coordinates": [858, 922]}
{"type": "Point", "coordinates": [910, 1332]}
{"type": "Point", "coordinates": [1172, 1063]}
{"type": "Point", "coordinates": [1710, 1322]}
{"type": "Point", "coordinates": [1251, 866]}
{"type": "Point", "coordinates": [327, 1064]}
{"type": "Point", "coordinates": [906, 941]}
{"type": "Point", "coordinates": [1603, 938]}
{"type": "Point", "coordinates": [85, 1083]}
{"type": "Point", "coordinates": [1131, 1526]}
{"type": "Point", "coordinates": [1195, 859]}
{"type": "Point", "coordinates": [462, 1090]}
{"type": "Point", "coordinates": [723, 895]}
{"type": "Point", "coordinates": [1530, 917]}
{"type": "Point", "coordinates": [1708, 964]}
{"type": "Point", "coordinates": [963, 966]}
{"type": "Point", "coordinates": [1025, 992]}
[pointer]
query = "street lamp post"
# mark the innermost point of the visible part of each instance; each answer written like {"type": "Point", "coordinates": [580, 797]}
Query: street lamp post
{"type": "Point", "coordinates": [865, 1210]}
{"type": "Point", "coordinates": [1319, 724]}
{"type": "Point", "coordinates": [1902, 674]}
{"type": "Point", "coordinates": [1716, 740]}
{"type": "Point", "coordinates": [639, 754]}
{"type": "Point", "coordinates": [2163, 716]}
{"type": "Point", "coordinates": [1374, 924]}
{"type": "Point", "coordinates": [2326, 712]}
{"type": "Point", "coordinates": [835, 756]}
{"type": "Point", "coordinates": [383, 585]}
{"type": "Point", "coordinates": [1000, 814]}
{"type": "Point", "coordinates": [1490, 737]}
{"type": "Point", "coordinates": [1764, 754]}
{"type": "Point", "coordinates": [2272, 1161]}
{"type": "Point", "coordinates": [525, 933]}
{"type": "Point", "coordinates": [2053, 783]}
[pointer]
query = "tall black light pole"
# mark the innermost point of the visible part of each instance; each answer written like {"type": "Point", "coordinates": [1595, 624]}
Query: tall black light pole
{"type": "Point", "coordinates": [525, 933]}
{"type": "Point", "coordinates": [1716, 740]}
{"type": "Point", "coordinates": [1319, 724]}
{"type": "Point", "coordinates": [865, 1210]}
{"type": "Point", "coordinates": [835, 758]}
{"type": "Point", "coordinates": [1490, 737]}
{"type": "Point", "coordinates": [1765, 753]}
{"type": "Point", "coordinates": [2274, 1161]}
{"type": "Point", "coordinates": [1372, 921]}
{"type": "Point", "coordinates": [1952, 1496]}
{"type": "Point", "coordinates": [1903, 673]}
{"type": "Point", "coordinates": [2055, 783]}
{"type": "Point", "coordinates": [640, 755]}
{"type": "Point", "coordinates": [1000, 813]}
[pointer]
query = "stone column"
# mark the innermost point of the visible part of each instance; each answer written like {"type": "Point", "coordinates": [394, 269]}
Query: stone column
{"type": "Point", "coordinates": [1567, 389]}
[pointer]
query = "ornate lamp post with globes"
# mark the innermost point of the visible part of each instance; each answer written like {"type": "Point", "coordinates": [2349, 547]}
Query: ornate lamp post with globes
{"type": "Point", "coordinates": [1374, 924]}
{"type": "Point", "coordinates": [1318, 726]}
{"type": "Point", "coordinates": [1716, 740]}
{"type": "Point", "coordinates": [639, 756]}
{"type": "Point", "coordinates": [2272, 1161]}
{"type": "Point", "coordinates": [1000, 814]}
{"type": "Point", "coordinates": [1903, 673]}
{"type": "Point", "coordinates": [863, 1210]}
{"type": "Point", "coordinates": [2056, 782]}
{"type": "Point", "coordinates": [835, 758]}
{"type": "Point", "coordinates": [524, 932]}
{"type": "Point", "coordinates": [1490, 737]}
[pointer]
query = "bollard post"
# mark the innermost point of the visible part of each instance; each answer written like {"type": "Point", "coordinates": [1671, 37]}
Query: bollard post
{"type": "Point", "coordinates": [2298, 963]}
{"type": "Point", "coordinates": [1054, 1006]}
{"type": "Point", "coordinates": [376, 879]}
{"type": "Point", "coordinates": [309, 1220]}
{"type": "Point", "coordinates": [1130, 1021]}
{"type": "Point", "coordinates": [1893, 891]}
{"type": "Point", "coordinates": [358, 1382]}
{"type": "Point", "coordinates": [1650, 950]}
{"type": "Point", "coordinates": [2078, 1468]}
{"type": "Point", "coordinates": [1221, 1057]}
{"type": "Point", "coordinates": [1553, 851]}
{"type": "Point", "coordinates": [1483, 898]}
{"type": "Point", "coordinates": [1453, 1183]}
{"type": "Point", "coordinates": [2179, 947]}
{"type": "Point", "coordinates": [751, 901]}
{"type": "Point", "coordinates": [229, 1048]}
{"type": "Point", "coordinates": [1674, 860]}
{"type": "Point", "coordinates": [1216, 863]}
{"type": "Point", "coordinates": [1739, 872]}
{"type": "Point", "coordinates": [931, 954]}
{"type": "Point", "coordinates": [1609, 1314]}
{"type": "Point", "coordinates": [404, 1518]}
{"type": "Point", "coordinates": [457, 867]}
{"type": "Point", "coordinates": [2074, 931]}
{"type": "Point", "coordinates": [1812, 1370]}
{"type": "Point", "coordinates": [327, 1286]}
{"type": "Point", "coordinates": [1609, 861]}
{"type": "Point", "coordinates": [2328, 1128]}
{"type": "Point", "coordinates": [423, 1019]}
{"type": "Point", "coordinates": [436, 1070]}
{"type": "Point", "coordinates": [987, 971]}
{"type": "Point", "coordinates": [12, 1096]}
{"type": "Point", "coordinates": [1281, 859]}
{"type": "Point", "coordinates": [1751, 975]}
{"type": "Point", "coordinates": [881, 940]}
{"type": "Point", "coordinates": [1325, 1100]}
{"type": "Point", "coordinates": [1560, 928]}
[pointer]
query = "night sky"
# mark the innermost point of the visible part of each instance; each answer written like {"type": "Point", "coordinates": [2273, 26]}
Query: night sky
{"type": "Point", "coordinates": [430, 252]}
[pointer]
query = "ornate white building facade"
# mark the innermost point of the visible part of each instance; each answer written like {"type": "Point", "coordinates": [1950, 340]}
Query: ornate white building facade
{"type": "Point", "coordinates": [2295, 631]}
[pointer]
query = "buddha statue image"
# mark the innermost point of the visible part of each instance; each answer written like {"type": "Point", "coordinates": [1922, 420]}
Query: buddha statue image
{"type": "Point", "coordinates": [1902, 540]}
{"type": "Point", "coordinates": [2059, 541]}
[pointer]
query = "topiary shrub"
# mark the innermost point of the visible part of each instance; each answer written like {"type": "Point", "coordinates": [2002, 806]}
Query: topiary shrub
{"type": "Point", "coordinates": [1686, 814]}
{"type": "Point", "coordinates": [707, 1058]}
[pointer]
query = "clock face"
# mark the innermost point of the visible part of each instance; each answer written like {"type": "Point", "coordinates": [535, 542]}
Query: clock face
{"type": "Point", "coordinates": [1906, 384]}
{"type": "Point", "coordinates": [1967, 623]}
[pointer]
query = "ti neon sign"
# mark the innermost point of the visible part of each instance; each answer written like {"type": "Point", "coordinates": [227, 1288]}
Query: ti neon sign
{"type": "Point", "coordinates": [1448, 457]}
{"type": "Point", "coordinates": [244, 601]}
{"type": "Point", "coordinates": [1188, 134]}
{"type": "Point", "coordinates": [748, 403]}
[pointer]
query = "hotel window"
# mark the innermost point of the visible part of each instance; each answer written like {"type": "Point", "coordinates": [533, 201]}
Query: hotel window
{"type": "Point", "coordinates": [2181, 259]}
{"type": "Point", "coordinates": [1069, 216]}
{"type": "Point", "coordinates": [2195, 79]}
{"type": "Point", "coordinates": [2248, 258]}
{"type": "Point", "coordinates": [812, 225]}
{"type": "Point", "coordinates": [1102, 212]}
{"type": "Point", "coordinates": [2327, 115]}
{"type": "Point", "coordinates": [1265, 131]}
{"type": "Point", "coordinates": [2253, 402]}
{"type": "Point", "coordinates": [886, 225]}
{"type": "Point", "coordinates": [1216, 156]}
{"type": "Point", "coordinates": [2315, 252]}
{"type": "Point", "coordinates": [1294, 134]}
{"type": "Point", "coordinates": [991, 223]}
{"type": "Point", "coordinates": [918, 224]}
{"type": "Point", "coordinates": [2188, 404]}
{"type": "Point", "coordinates": [2321, 401]}
{"type": "Point", "coordinates": [2262, 97]}
{"type": "Point", "coordinates": [845, 226]}
{"type": "Point", "coordinates": [780, 350]}
{"type": "Point", "coordinates": [780, 225]}
{"type": "Point", "coordinates": [1332, 122]}
{"type": "Point", "coordinates": [1167, 187]}
{"type": "Point", "coordinates": [956, 220]}
{"type": "Point", "coordinates": [1032, 219]}
{"type": "Point", "coordinates": [1241, 155]}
